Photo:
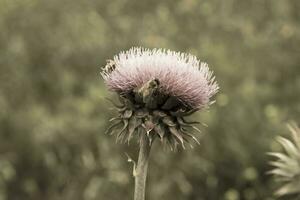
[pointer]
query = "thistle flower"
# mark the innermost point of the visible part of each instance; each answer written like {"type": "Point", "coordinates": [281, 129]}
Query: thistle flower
{"type": "Point", "coordinates": [287, 165]}
{"type": "Point", "coordinates": [157, 89]}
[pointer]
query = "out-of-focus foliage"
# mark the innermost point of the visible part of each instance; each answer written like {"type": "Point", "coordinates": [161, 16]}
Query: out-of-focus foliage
{"type": "Point", "coordinates": [53, 113]}
{"type": "Point", "coordinates": [287, 166]}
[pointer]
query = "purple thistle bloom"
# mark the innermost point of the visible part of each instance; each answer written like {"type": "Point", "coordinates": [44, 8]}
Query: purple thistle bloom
{"type": "Point", "coordinates": [180, 75]}
{"type": "Point", "coordinates": [158, 89]}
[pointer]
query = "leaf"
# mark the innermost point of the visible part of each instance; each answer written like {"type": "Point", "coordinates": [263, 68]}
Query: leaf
{"type": "Point", "coordinates": [168, 121]}
{"type": "Point", "coordinates": [133, 124]}
{"type": "Point", "coordinates": [188, 113]}
{"type": "Point", "coordinates": [172, 143]}
{"type": "Point", "coordinates": [178, 113]}
{"type": "Point", "coordinates": [114, 103]}
{"type": "Point", "coordinates": [289, 188]}
{"type": "Point", "coordinates": [148, 126]}
{"type": "Point", "coordinates": [160, 130]}
{"type": "Point", "coordinates": [189, 135]}
{"type": "Point", "coordinates": [141, 113]}
{"type": "Point", "coordinates": [151, 136]}
{"type": "Point", "coordinates": [159, 113]}
{"type": "Point", "coordinates": [283, 157]}
{"type": "Point", "coordinates": [197, 129]}
{"type": "Point", "coordinates": [177, 134]}
{"type": "Point", "coordinates": [114, 125]}
{"type": "Point", "coordinates": [289, 147]}
{"type": "Point", "coordinates": [127, 114]}
{"type": "Point", "coordinates": [286, 166]}
{"type": "Point", "coordinates": [182, 123]}
{"type": "Point", "coordinates": [115, 118]}
{"type": "Point", "coordinates": [123, 130]}
{"type": "Point", "coordinates": [191, 122]}
{"type": "Point", "coordinates": [294, 129]}
{"type": "Point", "coordinates": [126, 99]}
{"type": "Point", "coordinates": [280, 172]}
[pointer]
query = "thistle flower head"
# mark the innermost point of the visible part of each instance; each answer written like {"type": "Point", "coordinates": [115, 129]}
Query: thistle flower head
{"type": "Point", "coordinates": [157, 88]}
{"type": "Point", "coordinates": [287, 166]}
{"type": "Point", "coordinates": [180, 75]}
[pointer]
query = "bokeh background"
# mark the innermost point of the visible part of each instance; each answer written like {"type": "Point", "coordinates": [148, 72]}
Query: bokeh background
{"type": "Point", "coordinates": [53, 111]}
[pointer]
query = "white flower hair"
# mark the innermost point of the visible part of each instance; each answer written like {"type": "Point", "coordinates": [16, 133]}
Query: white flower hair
{"type": "Point", "coordinates": [180, 75]}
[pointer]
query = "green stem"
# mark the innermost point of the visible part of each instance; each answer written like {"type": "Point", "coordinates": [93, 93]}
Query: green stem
{"type": "Point", "coordinates": [141, 168]}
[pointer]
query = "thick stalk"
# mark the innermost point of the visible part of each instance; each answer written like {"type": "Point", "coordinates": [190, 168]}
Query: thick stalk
{"type": "Point", "coordinates": [141, 168]}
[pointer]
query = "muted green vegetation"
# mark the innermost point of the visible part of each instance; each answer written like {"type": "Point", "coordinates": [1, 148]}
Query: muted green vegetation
{"type": "Point", "coordinates": [53, 111]}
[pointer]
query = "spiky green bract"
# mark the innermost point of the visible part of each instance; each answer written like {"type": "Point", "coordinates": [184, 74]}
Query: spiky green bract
{"type": "Point", "coordinates": [287, 165]}
{"type": "Point", "coordinates": [146, 111]}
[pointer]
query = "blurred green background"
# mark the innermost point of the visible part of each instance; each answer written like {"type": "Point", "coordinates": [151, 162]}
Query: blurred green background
{"type": "Point", "coordinates": [53, 113]}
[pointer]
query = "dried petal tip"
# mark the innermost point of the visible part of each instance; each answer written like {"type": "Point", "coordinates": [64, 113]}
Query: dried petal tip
{"type": "Point", "coordinates": [287, 166]}
{"type": "Point", "coordinates": [157, 89]}
{"type": "Point", "coordinates": [180, 75]}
